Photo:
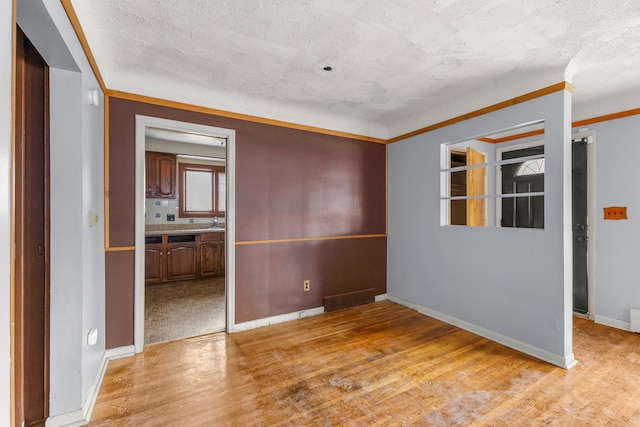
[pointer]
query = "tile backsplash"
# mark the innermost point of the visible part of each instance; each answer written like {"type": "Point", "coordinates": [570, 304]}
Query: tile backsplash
{"type": "Point", "coordinates": [157, 210]}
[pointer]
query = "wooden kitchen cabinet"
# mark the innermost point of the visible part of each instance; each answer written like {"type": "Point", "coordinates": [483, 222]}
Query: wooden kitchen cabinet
{"type": "Point", "coordinates": [154, 265]}
{"type": "Point", "coordinates": [181, 262]}
{"type": "Point", "coordinates": [184, 256]}
{"type": "Point", "coordinates": [160, 175]}
{"type": "Point", "coordinates": [211, 254]}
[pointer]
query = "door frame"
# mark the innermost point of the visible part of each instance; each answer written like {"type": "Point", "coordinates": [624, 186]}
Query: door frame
{"type": "Point", "coordinates": [19, 164]}
{"type": "Point", "coordinates": [143, 122]}
{"type": "Point", "coordinates": [591, 219]}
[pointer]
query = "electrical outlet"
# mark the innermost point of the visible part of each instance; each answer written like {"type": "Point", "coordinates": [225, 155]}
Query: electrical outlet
{"type": "Point", "coordinates": [615, 212]}
{"type": "Point", "coordinates": [307, 285]}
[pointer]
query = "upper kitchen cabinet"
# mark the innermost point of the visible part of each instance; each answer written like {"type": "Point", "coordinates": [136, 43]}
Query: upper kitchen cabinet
{"type": "Point", "coordinates": [160, 175]}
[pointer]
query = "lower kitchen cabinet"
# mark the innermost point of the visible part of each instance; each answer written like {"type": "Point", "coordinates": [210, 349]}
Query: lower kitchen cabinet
{"type": "Point", "coordinates": [154, 265]}
{"type": "Point", "coordinates": [184, 257]}
{"type": "Point", "coordinates": [181, 262]}
{"type": "Point", "coordinates": [211, 254]}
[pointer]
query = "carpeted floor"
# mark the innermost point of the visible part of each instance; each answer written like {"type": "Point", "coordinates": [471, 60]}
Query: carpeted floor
{"type": "Point", "coordinates": [184, 309]}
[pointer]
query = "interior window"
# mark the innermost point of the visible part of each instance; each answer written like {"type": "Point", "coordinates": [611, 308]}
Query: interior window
{"type": "Point", "coordinates": [496, 179]}
{"type": "Point", "coordinates": [524, 182]}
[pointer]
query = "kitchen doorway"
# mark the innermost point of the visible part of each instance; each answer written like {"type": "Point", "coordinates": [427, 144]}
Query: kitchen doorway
{"type": "Point", "coordinates": [184, 280]}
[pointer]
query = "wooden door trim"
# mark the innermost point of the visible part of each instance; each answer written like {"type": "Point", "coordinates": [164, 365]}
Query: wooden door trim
{"type": "Point", "coordinates": [18, 166]}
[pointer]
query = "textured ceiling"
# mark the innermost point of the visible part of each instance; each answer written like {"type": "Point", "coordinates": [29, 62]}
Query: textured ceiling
{"type": "Point", "coordinates": [398, 65]}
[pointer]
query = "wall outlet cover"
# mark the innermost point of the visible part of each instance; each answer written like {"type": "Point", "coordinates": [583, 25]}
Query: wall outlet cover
{"type": "Point", "coordinates": [615, 212]}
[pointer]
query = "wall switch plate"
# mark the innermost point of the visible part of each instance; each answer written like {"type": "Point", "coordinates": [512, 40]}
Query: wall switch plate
{"type": "Point", "coordinates": [92, 336]}
{"type": "Point", "coordinates": [171, 217]}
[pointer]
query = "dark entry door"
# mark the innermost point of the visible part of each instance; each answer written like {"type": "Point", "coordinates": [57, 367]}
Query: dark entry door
{"type": "Point", "coordinates": [527, 211]}
{"type": "Point", "coordinates": [579, 202]}
{"type": "Point", "coordinates": [31, 288]}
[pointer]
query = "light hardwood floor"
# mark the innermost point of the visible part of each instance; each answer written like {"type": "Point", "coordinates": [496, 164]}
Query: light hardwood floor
{"type": "Point", "coordinates": [375, 365]}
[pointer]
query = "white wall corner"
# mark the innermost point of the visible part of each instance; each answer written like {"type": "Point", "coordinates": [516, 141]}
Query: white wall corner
{"type": "Point", "coordinates": [83, 416]}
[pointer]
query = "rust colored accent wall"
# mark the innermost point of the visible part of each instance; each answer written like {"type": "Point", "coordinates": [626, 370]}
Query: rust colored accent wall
{"type": "Point", "coordinates": [119, 285]}
{"type": "Point", "coordinates": [293, 184]}
{"type": "Point", "coordinates": [269, 276]}
{"type": "Point", "coordinates": [289, 184]}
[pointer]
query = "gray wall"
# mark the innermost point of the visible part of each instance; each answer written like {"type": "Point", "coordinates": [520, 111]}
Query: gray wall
{"type": "Point", "coordinates": [513, 285]}
{"type": "Point", "coordinates": [6, 15]}
{"type": "Point", "coordinates": [617, 284]}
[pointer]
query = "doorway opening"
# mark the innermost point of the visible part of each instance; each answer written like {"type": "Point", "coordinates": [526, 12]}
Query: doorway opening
{"type": "Point", "coordinates": [583, 223]}
{"type": "Point", "coordinates": [184, 230]}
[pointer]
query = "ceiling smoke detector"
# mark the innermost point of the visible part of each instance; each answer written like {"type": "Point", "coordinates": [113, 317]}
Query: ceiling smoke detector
{"type": "Point", "coordinates": [325, 70]}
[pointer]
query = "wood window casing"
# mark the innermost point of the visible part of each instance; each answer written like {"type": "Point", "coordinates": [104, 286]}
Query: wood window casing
{"type": "Point", "coordinates": [217, 174]}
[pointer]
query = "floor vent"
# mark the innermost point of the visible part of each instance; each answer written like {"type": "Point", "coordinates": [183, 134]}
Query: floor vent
{"type": "Point", "coordinates": [349, 299]}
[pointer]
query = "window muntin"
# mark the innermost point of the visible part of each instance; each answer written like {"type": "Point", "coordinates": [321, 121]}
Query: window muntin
{"type": "Point", "coordinates": [495, 180]}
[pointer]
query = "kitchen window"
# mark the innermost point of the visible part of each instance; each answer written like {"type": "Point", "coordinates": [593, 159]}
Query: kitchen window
{"type": "Point", "coordinates": [201, 190]}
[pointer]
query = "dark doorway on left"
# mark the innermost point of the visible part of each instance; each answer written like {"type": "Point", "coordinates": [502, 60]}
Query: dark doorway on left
{"type": "Point", "coordinates": [30, 296]}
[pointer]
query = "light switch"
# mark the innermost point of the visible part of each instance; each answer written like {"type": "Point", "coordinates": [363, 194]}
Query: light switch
{"type": "Point", "coordinates": [615, 212]}
{"type": "Point", "coordinates": [93, 218]}
{"type": "Point", "coordinates": [92, 336]}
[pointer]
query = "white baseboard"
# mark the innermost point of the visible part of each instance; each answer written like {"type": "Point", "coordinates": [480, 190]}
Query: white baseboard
{"type": "Point", "coordinates": [81, 417]}
{"type": "Point", "coordinates": [119, 352]}
{"type": "Point", "coordinates": [75, 418]}
{"type": "Point", "coordinates": [614, 323]}
{"type": "Point", "coordinates": [381, 297]}
{"type": "Point", "coordinates": [285, 317]}
{"type": "Point", "coordinates": [277, 319]}
{"type": "Point", "coordinates": [567, 362]}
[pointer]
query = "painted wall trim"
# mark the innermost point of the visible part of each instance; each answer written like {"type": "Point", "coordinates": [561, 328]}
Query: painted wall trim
{"type": "Point", "coordinates": [12, 219]}
{"type": "Point", "coordinates": [239, 116]}
{"type": "Point", "coordinates": [607, 117]}
{"type": "Point", "coordinates": [120, 249]}
{"type": "Point", "coordinates": [381, 297]}
{"type": "Point", "coordinates": [252, 324]}
{"type": "Point", "coordinates": [567, 362]}
{"type": "Point", "coordinates": [575, 124]}
{"type": "Point", "coordinates": [75, 23]}
{"type": "Point", "coordinates": [499, 106]}
{"type": "Point", "coordinates": [83, 416]}
{"type": "Point", "coordinates": [512, 137]}
{"type": "Point", "coordinates": [106, 216]}
{"type": "Point", "coordinates": [614, 323]}
{"type": "Point", "coordinates": [310, 239]}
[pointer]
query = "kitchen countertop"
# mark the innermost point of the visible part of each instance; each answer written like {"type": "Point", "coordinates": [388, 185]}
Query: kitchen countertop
{"type": "Point", "coordinates": [185, 231]}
